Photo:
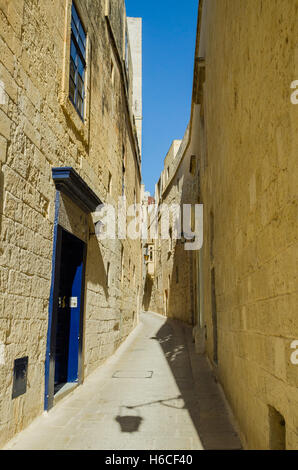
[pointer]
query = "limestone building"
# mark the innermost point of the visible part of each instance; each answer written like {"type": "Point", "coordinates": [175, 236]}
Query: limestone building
{"type": "Point", "coordinates": [135, 35]}
{"type": "Point", "coordinates": [69, 99]}
{"type": "Point", "coordinates": [171, 268]}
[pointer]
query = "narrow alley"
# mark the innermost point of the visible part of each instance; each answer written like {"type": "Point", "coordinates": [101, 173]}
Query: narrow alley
{"type": "Point", "coordinates": [148, 225]}
{"type": "Point", "coordinates": [154, 393]}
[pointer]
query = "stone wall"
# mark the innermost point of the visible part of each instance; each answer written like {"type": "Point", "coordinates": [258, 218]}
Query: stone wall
{"type": "Point", "coordinates": [249, 141]}
{"type": "Point", "coordinates": [171, 290]}
{"type": "Point", "coordinates": [39, 130]}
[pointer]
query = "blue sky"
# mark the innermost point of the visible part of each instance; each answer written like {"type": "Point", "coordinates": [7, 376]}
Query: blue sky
{"type": "Point", "coordinates": [169, 32]}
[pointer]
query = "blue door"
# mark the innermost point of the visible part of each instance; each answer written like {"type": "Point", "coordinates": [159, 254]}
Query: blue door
{"type": "Point", "coordinates": [69, 312]}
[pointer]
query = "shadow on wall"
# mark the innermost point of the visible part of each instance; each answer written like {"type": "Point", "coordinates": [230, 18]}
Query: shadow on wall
{"type": "Point", "coordinates": [95, 268]}
{"type": "Point", "coordinates": [180, 296]}
{"type": "Point", "coordinates": [147, 293]}
{"type": "Point", "coordinates": [96, 277]}
{"type": "Point", "coordinates": [96, 273]}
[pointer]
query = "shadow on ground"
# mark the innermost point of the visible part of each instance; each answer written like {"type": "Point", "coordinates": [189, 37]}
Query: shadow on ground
{"type": "Point", "coordinates": [199, 392]}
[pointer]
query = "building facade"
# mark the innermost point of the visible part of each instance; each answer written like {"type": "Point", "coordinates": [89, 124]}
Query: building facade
{"type": "Point", "coordinates": [68, 143]}
{"type": "Point", "coordinates": [246, 61]}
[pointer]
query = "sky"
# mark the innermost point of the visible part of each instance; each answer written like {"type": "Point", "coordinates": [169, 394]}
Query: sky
{"type": "Point", "coordinates": [169, 33]}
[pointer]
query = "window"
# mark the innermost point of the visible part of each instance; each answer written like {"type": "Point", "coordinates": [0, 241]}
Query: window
{"type": "Point", "coordinates": [77, 63]}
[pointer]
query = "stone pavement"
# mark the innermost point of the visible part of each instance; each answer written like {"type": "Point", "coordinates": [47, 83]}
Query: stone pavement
{"type": "Point", "coordinates": [155, 393]}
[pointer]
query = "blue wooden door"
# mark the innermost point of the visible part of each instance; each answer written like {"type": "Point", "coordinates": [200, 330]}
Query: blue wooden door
{"type": "Point", "coordinates": [69, 314]}
{"type": "Point", "coordinates": [74, 333]}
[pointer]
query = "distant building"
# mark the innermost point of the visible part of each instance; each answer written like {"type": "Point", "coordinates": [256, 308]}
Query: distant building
{"type": "Point", "coordinates": [170, 288]}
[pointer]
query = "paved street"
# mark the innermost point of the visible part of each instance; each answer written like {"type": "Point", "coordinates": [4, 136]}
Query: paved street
{"type": "Point", "coordinates": [155, 393]}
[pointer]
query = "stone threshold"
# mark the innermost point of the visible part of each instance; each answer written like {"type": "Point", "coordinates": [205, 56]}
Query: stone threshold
{"type": "Point", "coordinates": [65, 390]}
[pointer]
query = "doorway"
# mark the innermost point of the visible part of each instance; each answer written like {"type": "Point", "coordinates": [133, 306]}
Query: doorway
{"type": "Point", "coordinates": [69, 311]}
{"type": "Point", "coordinates": [67, 317]}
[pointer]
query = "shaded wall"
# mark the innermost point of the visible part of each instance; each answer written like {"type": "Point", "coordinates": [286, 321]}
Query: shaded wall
{"type": "Point", "coordinates": [249, 189]}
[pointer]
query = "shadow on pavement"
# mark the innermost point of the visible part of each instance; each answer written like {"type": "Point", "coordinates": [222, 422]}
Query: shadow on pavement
{"type": "Point", "coordinates": [200, 395]}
